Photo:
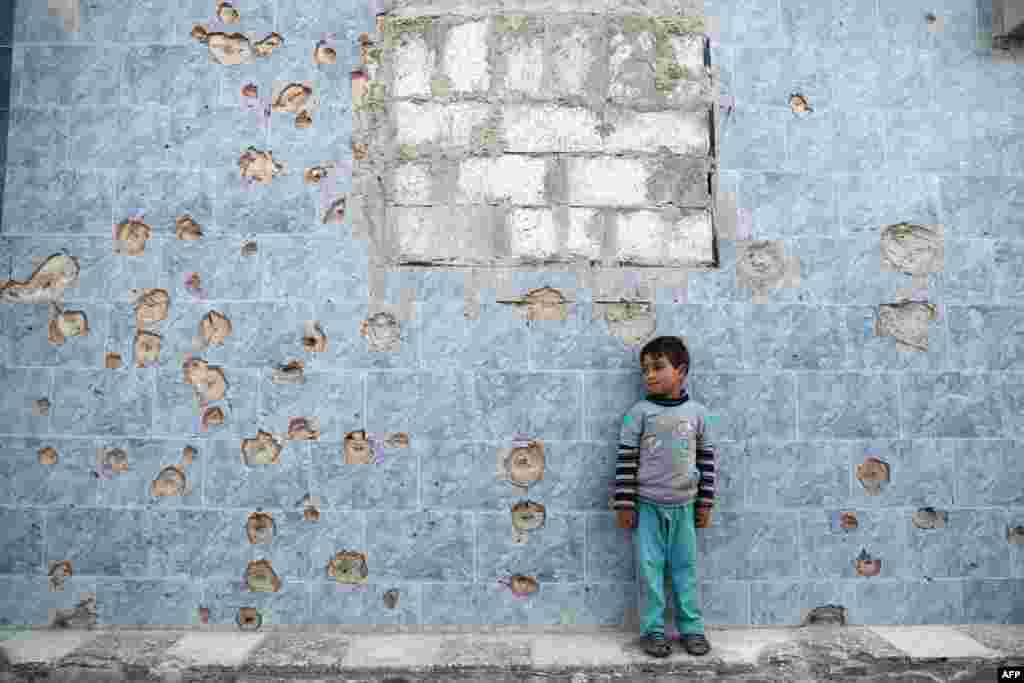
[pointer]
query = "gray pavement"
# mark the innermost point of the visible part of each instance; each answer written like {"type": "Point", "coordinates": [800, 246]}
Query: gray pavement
{"type": "Point", "coordinates": [961, 653]}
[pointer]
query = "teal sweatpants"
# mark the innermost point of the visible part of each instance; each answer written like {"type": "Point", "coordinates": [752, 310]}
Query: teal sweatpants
{"type": "Point", "coordinates": [665, 538]}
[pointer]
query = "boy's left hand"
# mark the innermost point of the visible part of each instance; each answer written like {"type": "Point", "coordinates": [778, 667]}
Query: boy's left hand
{"type": "Point", "coordinates": [702, 517]}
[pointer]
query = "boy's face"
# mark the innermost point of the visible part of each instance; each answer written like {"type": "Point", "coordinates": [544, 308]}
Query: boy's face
{"type": "Point", "coordinates": [660, 378]}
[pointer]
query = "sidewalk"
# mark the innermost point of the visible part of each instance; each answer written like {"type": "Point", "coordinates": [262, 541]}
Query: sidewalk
{"type": "Point", "coordinates": [914, 654]}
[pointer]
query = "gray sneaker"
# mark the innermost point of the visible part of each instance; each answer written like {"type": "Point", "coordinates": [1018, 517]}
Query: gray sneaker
{"type": "Point", "coordinates": [656, 645]}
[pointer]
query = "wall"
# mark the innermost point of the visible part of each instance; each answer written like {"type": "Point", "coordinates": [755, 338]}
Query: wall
{"type": "Point", "coordinates": [909, 122]}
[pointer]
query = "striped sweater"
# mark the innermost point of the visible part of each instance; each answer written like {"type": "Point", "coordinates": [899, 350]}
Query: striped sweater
{"type": "Point", "coordinates": [665, 454]}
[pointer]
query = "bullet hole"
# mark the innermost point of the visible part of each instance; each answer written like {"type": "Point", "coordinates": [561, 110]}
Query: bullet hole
{"type": "Point", "coordinates": [114, 458]}
{"type": "Point", "coordinates": [41, 407]}
{"type": "Point", "coordinates": [520, 585]}
{"type": "Point", "coordinates": [227, 13]}
{"type": "Point", "coordinates": [215, 328]}
{"type": "Point", "coordinates": [113, 361]}
{"type": "Point", "coordinates": [357, 449]}
{"type": "Point", "coordinates": [912, 249]}
{"type": "Point", "coordinates": [147, 348]}
{"type": "Point", "coordinates": [335, 213]}
{"type": "Point", "coordinates": [292, 373]}
{"type": "Point", "coordinates": [381, 331]}
{"type": "Point", "coordinates": [844, 521]}
{"type": "Point", "coordinates": [260, 527]}
{"type": "Point", "coordinates": [360, 151]}
{"type": "Point", "coordinates": [872, 473]}
{"type": "Point", "coordinates": [314, 174]}
{"type": "Point", "coordinates": [130, 237]}
{"type": "Point", "coordinates": [250, 90]}
{"type": "Point", "coordinates": [1015, 535]}
{"type": "Point", "coordinates": [866, 565]}
{"type": "Point", "coordinates": [266, 47]}
{"type": "Point", "coordinates": [929, 518]}
{"type": "Point", "coordinates": [47, 456]}
{"type": "Point", "coordinates": [630, 321]}
{"type": "Point", "coordinates": [187, 229]}
{"type": "Point", "coordinates": [544, 303]}
{"type": "Point", "coordinates": [249, 249]}
{"type": "Point", "coordinates": [303, 120]}
{"type": "Point", "coordinates": [249, 619]}
{"type": "Point", "coordinates": [826, 614]}
{"type": "Point", "coordinates": [348, 566]}
{"type": "Point", "coordinates": [313, 339]}
{"type": "Point", "coordinates": [171, 481]}
{"type": "Point", "coordinates": [213, 417]}
{"type": "Point", "coordinates": [309, 503]}
{"type": "Point", "coordinates": [80, 617]}
{"type": "Point", "coordinates": [292, 98]}
{"type": "Point", "coordinates": [187, 454]}
{"type": "Point", "coordinates": [46, 285]}
{"type": "Point", "coordinates": [260, 577]}
{"type": "Point", "coordinates": [324, 55]}
{"type": "Point", "coordinates": [208, 381]}
{"type": "Point", "coordinates": [930, 18]}
{"type": "Point", "coordinates": [304, 429]}
{"type": "Point", "coordinates": [528, 516]}
{"type": "Point", "coordinates": [907, 323]}
{"type": "Point", "coordinates": [59, 570]}
{"type": "Point", "coordinates": [761, 265]}
{"type": "Point", "coordinates": [151, 306]}
{"type": "Point", "coordinates": [260, 166]}
{"type": "Point", "coordinates": [522, 465]}
{"type": "Point", "coordinates": [798, 103]}
{"type": "Point", "coordinates": [391, 598]}
{"type": "Point", "coordinates": [64, 324]}
{"type": "Point", "coordinates": [193, 284]}
{"type": "Point", "coordinates": [263, 450]}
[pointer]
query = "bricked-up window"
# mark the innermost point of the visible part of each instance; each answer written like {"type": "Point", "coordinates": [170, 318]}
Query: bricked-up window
{"type": "Point", "coordinates": [517, 140]}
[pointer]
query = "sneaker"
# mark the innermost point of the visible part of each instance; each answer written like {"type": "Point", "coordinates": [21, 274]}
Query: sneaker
{"type": "Point", "coordinates": [656, 645]}
{"type": "Point", "coordinates": [695, 644]}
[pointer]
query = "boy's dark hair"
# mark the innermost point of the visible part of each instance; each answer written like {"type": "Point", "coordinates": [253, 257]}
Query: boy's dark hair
{"type": "Point", "coordinates": [671, 348]}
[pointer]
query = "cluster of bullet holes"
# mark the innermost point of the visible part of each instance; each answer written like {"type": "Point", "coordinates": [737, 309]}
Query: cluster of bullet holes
{"type": "Point", "coordinates": [172, 479]}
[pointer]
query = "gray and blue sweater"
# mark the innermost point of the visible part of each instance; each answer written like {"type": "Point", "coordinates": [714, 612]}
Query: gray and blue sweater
{"type": "Point", "coordinates": [665, 454]}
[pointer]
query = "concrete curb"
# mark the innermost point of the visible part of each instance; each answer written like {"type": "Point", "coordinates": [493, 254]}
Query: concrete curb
{"type": "Point", "coordinates": [856, 653]}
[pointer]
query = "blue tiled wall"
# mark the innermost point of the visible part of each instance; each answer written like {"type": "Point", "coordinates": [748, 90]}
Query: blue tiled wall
{"type": "Point", "coordinates": [909, 124]}
{"type": "Point", "coordinates": [6, 33]}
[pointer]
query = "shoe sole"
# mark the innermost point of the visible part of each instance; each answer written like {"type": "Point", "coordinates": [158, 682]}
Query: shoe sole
{"type": "Point", "coordinates": [658, 650]}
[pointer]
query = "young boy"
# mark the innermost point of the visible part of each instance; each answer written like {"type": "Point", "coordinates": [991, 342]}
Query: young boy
{"type": "Point", "coordinates": [664, 488]}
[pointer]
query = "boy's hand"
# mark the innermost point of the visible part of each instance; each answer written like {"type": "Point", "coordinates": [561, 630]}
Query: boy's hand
{"type": "Point", "coordinates": [702, 517]}
{"type": "Point", "coordinates": [626, 518]}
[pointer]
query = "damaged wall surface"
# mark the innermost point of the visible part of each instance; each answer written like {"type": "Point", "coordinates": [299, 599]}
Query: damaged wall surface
{"type": "Point", "coordinates": [340, 326]}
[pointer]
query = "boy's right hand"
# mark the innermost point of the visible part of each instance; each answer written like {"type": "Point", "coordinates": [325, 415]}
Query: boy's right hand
{"type": "Point", "coordinates": [627, 519]}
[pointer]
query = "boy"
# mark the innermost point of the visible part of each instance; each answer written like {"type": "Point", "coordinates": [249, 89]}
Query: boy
{"type": "Point", "coordinates": [664, 488]}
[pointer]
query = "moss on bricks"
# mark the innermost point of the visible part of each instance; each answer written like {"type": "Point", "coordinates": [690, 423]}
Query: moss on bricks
{"type": "Point", "coordinates": [407, 152]}
{"type": "Point", "coordinates": [374, 100]}
{"type": "Point", "coordinates": [395, 26]}
{"type": "Point", "coordinates": [510, 24]}
{"type": "Point", "coordinates": [680, 25]}
{"type": "Point", "coordinates": [440, 87]}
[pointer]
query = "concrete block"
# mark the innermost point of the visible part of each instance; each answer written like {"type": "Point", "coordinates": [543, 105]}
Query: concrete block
{"type": "Point", "coordinates": [933, 642]}
{"type": "Point", "coordinates": [465, 58]}
{"type": "Point", "coordinates": [532, 128]}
